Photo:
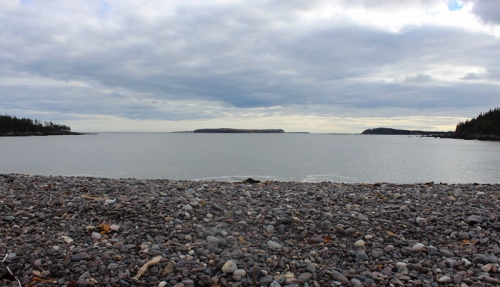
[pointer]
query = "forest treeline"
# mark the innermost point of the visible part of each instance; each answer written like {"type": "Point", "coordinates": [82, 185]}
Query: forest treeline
{"type": "Point", "coordinates": [487, 124]}
{"type": "Point", "coordinates": [13, 126]}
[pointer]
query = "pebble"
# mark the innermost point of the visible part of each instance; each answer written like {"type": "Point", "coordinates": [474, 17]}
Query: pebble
{"type": "Point", "coordinates": [239, 272]}
{"type": "Point", "coordinates": [359, 243]}
{"type": "Point", "coordinates": [273, 245]}
{"type": "Point", "coordinates": [444, 279]}
{"type": "Point", "coordinates": [9, 218]}
{"type": "Point", "coordinates": [304, 277]}
{"type": "Point", "coordinates": [110, 200]}
{"type": "Point", "coordinates": [418, 247]}
{"type": "Point", "coordinates": [446, 252]}
{"type": "Point", "coordinates": [337, 276]}
{"type": "Point", "coordinates": [361, 256]}
{"type": "Point", "coordinates": [229, 267]}
{"type": "Point", "coordinates": [96, 235]}
{"type": "Point", "coordinates": [473, 219]}
{"type": "Point", "coordinates": [231, 234]}
{"type": "Point", "coordinates": [326, 225]}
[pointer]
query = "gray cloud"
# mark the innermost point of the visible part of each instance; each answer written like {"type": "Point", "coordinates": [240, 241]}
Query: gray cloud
{"type": "Point", "coordinates": [418, 79]}
{"type": "Point", "coordinates": [492, 74]}
{"type": "Point", "coordinates": [488, 10]}
{"type": "Point", "coordinates": [124, 60]}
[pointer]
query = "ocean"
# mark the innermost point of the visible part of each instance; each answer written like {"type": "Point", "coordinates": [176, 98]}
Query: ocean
{"type": "Point", "coordinates": [274, 157]}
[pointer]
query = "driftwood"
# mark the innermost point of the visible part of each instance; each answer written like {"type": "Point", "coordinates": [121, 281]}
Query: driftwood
{"type": "Point", "coordinates": [93, 197]}
{"type": "Point", "coordinates": [145, 267]}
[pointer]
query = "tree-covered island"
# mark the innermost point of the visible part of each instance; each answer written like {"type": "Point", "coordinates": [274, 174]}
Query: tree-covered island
{"type": "Point", "coordinates": [13, 126]}
{"type": "Point", "coordinates": [240, 131]}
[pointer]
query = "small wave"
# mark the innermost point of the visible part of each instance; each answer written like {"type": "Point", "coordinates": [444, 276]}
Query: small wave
{"type": "Point", "coordinates": [238, 178]}
{"type": "Point", "coordinates": [328, 177]}
{"type": "Point", "coordinates": [87, 175]}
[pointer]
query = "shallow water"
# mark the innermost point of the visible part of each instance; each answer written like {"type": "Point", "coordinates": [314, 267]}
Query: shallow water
{"type": "Point", "coordinates": [284, 157]}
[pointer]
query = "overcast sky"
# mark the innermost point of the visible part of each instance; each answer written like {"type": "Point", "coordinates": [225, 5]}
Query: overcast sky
{"type": "Point", "coordinates": [318, 66]}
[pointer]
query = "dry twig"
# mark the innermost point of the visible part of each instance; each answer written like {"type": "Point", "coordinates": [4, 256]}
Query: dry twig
{"type": "Point", "coordinates": [145, 267]}
{"type": "Point", "coordinates": [10, 272]}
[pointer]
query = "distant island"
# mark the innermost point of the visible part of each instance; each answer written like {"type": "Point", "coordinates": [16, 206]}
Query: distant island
{"type": "Point", "coordinates": [483, 127]}
{"type": "Point", "coordinates": [13, 126]}
{"type": "Point", "coordinates": [389, 131]}
{"type": "Point", "coordinates": [240, 131]}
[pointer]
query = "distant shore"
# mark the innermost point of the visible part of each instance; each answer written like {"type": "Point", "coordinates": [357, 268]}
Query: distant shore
{"type": "Point", "coordinates": [27, 134]}
{"type": "Point", "coordinates": [481, 137]}
{"type": "Point", "coordinates": [435, 134]}
{"type": "Point", "coordinates": [240, 131]}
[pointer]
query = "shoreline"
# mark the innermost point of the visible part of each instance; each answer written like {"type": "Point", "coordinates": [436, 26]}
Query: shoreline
{"type": "Point", "coordinates": [88, 231]}
{"type": "Point", "coordinates": [15, 134]}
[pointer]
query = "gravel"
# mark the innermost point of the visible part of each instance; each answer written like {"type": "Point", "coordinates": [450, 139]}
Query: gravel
{"type": "Point", "coordinates": [84, 231]}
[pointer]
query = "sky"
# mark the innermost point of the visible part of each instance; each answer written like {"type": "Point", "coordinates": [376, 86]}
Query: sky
{"type": "Point", "coordinates": [337, 66]}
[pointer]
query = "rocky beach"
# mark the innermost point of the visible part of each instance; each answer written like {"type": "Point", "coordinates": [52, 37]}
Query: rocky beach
{"type": "Point", "coordinates": [83, 231]}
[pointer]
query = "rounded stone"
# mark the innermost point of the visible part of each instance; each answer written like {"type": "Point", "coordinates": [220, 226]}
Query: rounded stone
{"type": "Point", "coordinates": [444, 279]}
{"type": "Point", "coordinates": [304, 277]}
{"type": "Point", "coordinates": [273, 245]}
{"type": "Point", "coordinates": [361, 256]}
{"type": "Point", "coordinates": [229, 267]}
{"type": "Point", "coordinates": [359, 243]}
{"type": "Point", "coordinates": [77, 257]}
{"type": "Point", "coordinates": [325, 225]}
{"type": "Point", "coordinates": [212, 239]}
{"type": "Point", "coordinates": [110, 200]}
{"type": "Point", "coordinates": [9, 218]}
{"type": "Point", "coordinates": [187, 207]}
{"type": "Point", "coordinates": [446, 252]}
{"type": "Point", "coordinates": [96, 235]}
{"type": "Point", "coordinates": [418, 247]}
{"type": "Point", "coordinates": [473, 219]}
{"type": "Point", "coordinates": [240, 272]}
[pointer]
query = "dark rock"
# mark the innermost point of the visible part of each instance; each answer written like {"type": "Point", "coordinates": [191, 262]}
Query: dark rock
{"type": "Point", "coordinates": [473, 219]}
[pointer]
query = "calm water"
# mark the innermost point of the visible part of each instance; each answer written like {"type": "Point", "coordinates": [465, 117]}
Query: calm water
{"type": "Point", "coordinates": [284, 157]}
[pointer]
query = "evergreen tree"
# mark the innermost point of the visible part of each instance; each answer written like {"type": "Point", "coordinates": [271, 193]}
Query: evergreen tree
{"type": "Point", "coordinates": [484, 124]}
{"type": "Point", "coordinates": [14, 125]}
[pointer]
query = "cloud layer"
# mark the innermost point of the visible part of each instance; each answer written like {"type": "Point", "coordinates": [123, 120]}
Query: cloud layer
{"type": "Point", "coordinates": [193, 63]}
